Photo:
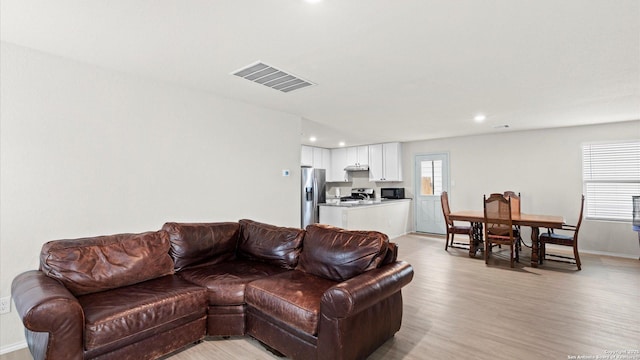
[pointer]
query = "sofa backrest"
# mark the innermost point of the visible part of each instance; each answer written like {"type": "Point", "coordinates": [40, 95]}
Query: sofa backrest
{"type": "Point", "coordinates": [271, 244]}
{"type": "Point", "coordinates": [392, 254]}
{"type": "Point", "coordinates": [101, 263]}
{"type": "Point", "coordinates": [202, 243]}
{"type": "Point", "coordinates": [337, 254]}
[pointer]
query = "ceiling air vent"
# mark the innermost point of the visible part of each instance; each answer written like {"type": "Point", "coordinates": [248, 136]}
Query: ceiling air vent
{"type": "Point", "coordinates": [272, 77]}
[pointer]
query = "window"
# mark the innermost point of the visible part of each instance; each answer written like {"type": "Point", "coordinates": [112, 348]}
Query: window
{"type": "Point", "coordinates": [431, 177]}
{"type": "Point", "coordinates": [611, 176]}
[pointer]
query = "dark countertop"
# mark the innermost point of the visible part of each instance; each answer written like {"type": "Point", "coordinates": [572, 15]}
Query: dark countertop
{"type": "Point", "coordinates": [363, 203]}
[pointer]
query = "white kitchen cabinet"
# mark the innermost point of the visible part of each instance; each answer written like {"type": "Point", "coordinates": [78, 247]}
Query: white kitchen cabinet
{"type": "Point", "coordinates": [388, 217]}
{"type": "Point", "coordinates": [358, 155]}
{"type": "Point", "coordinates": [315, 157]}
{"type": "Point", "coordinates": [325, 163]}
{"type": "Point", "coordinates": [385, 162]}
{"type": "Point", "coordinates": [338, 163]}
{"type": "Point", "coordinates": [306, 155]}
{"type": "Point", "coordinates": [375, 162]}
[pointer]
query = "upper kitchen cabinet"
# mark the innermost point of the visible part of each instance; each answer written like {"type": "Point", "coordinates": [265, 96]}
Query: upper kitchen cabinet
{"type": "Point", "coordinates": [343, 157]}
{"type": "Point", "coordinates": [385, 162]}
{"type": "Point", "coordinates": [326, 162]}
{"type": "Point", "coordinates": [306, 156]}
{"type": "Point", "coordinates": [357, 155]}
{"type": "Point", "coordinates": [338, 163]}
{"type": "Point", "coordinates": [315, 157]}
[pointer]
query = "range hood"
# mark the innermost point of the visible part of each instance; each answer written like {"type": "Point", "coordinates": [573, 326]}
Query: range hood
{"type": "Point", "coordinates": [357, 167]}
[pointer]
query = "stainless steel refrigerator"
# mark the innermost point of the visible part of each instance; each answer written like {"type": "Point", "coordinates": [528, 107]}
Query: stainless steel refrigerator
{"type": "Point", "coordinates": [314, 188]}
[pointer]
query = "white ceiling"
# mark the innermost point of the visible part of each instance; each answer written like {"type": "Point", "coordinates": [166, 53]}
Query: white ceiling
{"type": "Point", "coordinates": [386, 70]}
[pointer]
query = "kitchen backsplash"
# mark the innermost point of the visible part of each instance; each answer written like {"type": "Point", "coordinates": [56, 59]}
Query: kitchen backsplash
{"type": "Point", "coordinates": [359, 179]}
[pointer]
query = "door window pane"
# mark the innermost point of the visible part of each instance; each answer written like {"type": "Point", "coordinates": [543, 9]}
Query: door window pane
{"type": "Point", "coordinates": [431, 177]}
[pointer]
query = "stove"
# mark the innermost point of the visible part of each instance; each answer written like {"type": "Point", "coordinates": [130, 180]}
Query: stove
{"type": "Point", "coordinates": [360, 194]}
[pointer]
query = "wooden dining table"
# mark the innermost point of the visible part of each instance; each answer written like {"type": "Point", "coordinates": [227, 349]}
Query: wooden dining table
{"type": "Point", "coordinates": [535, 222]}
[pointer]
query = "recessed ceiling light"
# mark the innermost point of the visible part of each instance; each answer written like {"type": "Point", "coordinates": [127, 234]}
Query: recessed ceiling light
{"type": "Point", "coordinates": [312, 139]}
{"type": "Point", "coordinates": [341, 143]}
{"type": "Point", "coordinates": [479, 118]}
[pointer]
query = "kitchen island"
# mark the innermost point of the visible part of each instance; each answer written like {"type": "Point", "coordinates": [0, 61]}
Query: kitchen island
{"type": "Point", "coordinates": [390, 217]}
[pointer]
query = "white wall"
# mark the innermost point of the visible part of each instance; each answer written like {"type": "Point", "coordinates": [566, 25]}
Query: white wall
{"type": "Point", "coordinates": [86, 151]}
{"type": "Point", "coordinates": [545, 166]}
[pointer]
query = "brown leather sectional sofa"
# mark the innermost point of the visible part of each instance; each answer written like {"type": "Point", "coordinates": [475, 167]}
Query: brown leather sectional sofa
{"type": "Point", "coordinates": [323, 293]}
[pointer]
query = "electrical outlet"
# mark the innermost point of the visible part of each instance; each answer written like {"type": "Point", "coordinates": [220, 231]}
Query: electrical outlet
{"type": "Point", "coordinates": [5, 304]}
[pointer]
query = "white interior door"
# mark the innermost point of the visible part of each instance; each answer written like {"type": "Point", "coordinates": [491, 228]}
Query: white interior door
{"type": "Point", "coordinates": [432, 178]}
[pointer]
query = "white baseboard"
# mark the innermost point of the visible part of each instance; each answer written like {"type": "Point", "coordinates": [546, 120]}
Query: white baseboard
{"type": "Point", "coordinates": [606, 253]}
{"type": "Point", "coordinates": [12, 347]}
{"type": "Point", "coordinates": [397, 236]}
{"type": "Point", "coordinates": [566, 248]}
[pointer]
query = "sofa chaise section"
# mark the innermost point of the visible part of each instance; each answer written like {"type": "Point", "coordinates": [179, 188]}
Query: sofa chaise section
{"type": "Point", "coordinates": [342, 302]}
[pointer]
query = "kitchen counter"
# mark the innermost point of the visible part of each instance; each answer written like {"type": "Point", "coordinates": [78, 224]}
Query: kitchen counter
{"type": "Point", "coordinates": [361, 203]}
{"type": "Point", "coordinates": [389, 216]}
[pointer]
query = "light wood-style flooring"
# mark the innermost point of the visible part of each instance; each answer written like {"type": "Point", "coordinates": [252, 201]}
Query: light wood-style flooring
{"type": "Point", "coordinates": [459, 308]}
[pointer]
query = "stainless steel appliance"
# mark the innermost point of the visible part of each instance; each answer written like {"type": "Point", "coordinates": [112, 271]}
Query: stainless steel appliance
{"type": "Point", "coordinates": [360, 194]}
{"type": "Point", "coordinates": [392, 193]}
{"type": "Point", "coordinates": [314, 188]}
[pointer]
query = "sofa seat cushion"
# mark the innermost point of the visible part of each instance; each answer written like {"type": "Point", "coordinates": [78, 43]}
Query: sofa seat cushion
{"type": "Point", "coordinates": [226, 282]}
{"type": "Point", "coordinates": [138, 311]}
{"type": "Point", "coordinates": [292, 297]}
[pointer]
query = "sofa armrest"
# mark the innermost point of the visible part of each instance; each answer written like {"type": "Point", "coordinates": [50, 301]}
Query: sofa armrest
{"type": "Point", "coordinates": [46, 306]}
{"type": "Point", "coordinates": [360, 292]}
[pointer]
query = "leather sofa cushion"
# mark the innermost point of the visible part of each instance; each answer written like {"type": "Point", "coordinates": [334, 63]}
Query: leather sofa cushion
{"type": "Point", "coordinates": [392, 254]}
{"type": "Point", "coordinates": [136, 311]}
{"type": "Point", "coordinates": [101, 263]}
{"type": "Point", "coordinates": [198, 243]}
{"type": "Point", "coordinates": [292, 297]}
{"type": "Point", "coordinates": [226, 282]}
{"type": "Point", "coordinates": [338, 254]}
{"type": "Point", "coordinates": [268, 243]}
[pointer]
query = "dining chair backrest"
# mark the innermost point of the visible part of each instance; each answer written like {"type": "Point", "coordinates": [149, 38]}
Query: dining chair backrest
{"type": "Point", "coordinates": [444, 200]}
{"type": "Point", "coordinates": [497, 214]}
{"type": "Point", "coordinates": [575, 235]}
{"type": "Point", "coordinates": [515, 201]}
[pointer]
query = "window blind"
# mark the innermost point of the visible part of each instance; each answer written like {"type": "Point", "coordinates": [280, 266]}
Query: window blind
{"type": "Point", "coordinates": [611, 176]}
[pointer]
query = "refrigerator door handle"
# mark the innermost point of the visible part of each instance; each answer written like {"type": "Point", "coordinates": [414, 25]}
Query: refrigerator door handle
{"type": "Point", "coordinates": [314, 196]}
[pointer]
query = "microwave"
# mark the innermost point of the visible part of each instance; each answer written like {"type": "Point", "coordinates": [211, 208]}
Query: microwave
{"type": "Point", "coordinates": [392, 193]}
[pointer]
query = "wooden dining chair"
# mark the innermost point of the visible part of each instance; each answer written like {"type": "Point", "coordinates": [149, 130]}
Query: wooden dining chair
{"type": "Point", "coordinates": [498, 226]}
{"type": "Point", "coordinates": [551, 237]}
{"type": "Point", "coordinates": [453, 229]}
{"type": "Point", "coordinates": [515, 210]}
